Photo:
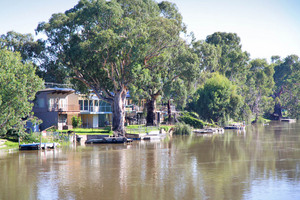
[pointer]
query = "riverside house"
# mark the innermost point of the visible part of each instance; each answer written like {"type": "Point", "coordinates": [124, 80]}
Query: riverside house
{"type": "Point", "coordinates": [55, 106]}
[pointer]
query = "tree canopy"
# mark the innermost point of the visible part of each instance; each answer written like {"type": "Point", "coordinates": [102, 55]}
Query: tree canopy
{"type": "Point", "coordinates": [107, 44]}
{"type": "Point", "coordinates": [217, 99]}
{"type": "Point", "coordinates": [18, 86]}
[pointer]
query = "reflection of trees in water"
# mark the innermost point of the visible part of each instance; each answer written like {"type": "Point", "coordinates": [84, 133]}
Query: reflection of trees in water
{"type": "Point", "coordinates": [231, 162]}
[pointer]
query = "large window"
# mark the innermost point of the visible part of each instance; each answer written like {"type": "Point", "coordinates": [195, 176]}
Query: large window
{"type": "Point", "coordinates": [81, 104]}
{"type": "Point", "coordinates": [104, 106]}
{"type": "Point", "coordinates": [86, 105]}
{"type": "Point", "coordinates": [91, 106]}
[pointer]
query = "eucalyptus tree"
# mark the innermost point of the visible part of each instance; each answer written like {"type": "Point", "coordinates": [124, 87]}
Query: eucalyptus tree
{"type": "Point", "coordinates": [287, 86]}
{"type": "Point", "coordinates": [232, 61]}
{"type": "Point", "coordinates": [107, 45]}
{"type": "Point", "coordinates": [18, 86]}
{"type": "Point", "coordinates": [25, 44]}
{"type": "Point", "coordinates": [172, 79]}
{"type": "Point", "coordinates": [209, 56]}
{"type": "Point", "coordinates": [176, 68]}
{"type": "Point", "coordinates": [259, 88]}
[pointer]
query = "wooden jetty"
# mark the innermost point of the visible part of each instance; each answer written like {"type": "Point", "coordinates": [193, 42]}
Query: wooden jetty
{"type": "Point", "coordinates": [109, 140]}
{"type": "Point", "coordinates": [152, 135]}
{"type": "Point", "coordinates": [208, 131]}
{"type": "Point", "coordinates": [289, 120]}
{"type": "Point", "coordinates": [37, 146]}
{"type": "Point", "coordinates": [237, 126]}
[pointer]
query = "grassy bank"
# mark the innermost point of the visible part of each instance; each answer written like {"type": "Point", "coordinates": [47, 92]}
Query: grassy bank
{"type": "Point", "coordinates": [137, 129]}
{"type": "Point", "coordinates": [89, 131]}
{"type": "Point", "coordinates": [6, 144]}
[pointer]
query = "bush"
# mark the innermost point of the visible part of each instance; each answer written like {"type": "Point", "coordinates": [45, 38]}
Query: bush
{"type": "Point", "coordinates": [76, 121]}
{"type": "Point", "coordinates": [166, 128]}
{"type": "Point", "coordinates": [182, 129]}
{"type": "Point", "coordinates": [31, 138]}
{"type": "Point", "coordinates": [188, 118]}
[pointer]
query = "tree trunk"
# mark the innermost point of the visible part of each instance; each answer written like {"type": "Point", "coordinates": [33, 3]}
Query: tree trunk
{"type": "Point", "coordinates": [151, 112]}
{"type": "Point", "coordinates": [118, 109]}
{"type": "Point", "coordinates": [169, 112]}
{"type": "Point", "coordinates": [277, 115]}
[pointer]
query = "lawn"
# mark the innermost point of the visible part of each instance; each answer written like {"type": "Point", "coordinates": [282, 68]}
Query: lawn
{"type": "Point", "coordinates": [89, 131]}
{"type": "Point", "coordinates": [9, 145]}
{"type": "Point", "coordinates": [137, 129]}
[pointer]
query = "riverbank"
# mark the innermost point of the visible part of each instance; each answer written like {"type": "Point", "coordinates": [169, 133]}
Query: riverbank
{"type": "Point", "coordinates": [7, 145]}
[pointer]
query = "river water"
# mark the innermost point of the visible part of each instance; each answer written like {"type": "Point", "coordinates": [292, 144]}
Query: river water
{"type": "Point", "coordinates": [261, 163]}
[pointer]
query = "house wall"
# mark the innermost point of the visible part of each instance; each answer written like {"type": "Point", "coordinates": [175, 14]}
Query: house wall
{"type": "Point", "coordinates": [48, 118]}
{"type": "Point", "coordinates": [50, 114]}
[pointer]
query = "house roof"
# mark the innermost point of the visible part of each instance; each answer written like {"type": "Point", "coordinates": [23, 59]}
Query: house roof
{"type": "Point", "coordinates": [58, 90]}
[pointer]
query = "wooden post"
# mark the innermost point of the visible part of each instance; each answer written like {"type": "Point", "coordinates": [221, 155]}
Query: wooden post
{"type": "Point", "coordinates": [41, 141]}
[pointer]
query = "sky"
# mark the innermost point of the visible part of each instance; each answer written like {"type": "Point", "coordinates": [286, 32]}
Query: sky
{"type": "Point", "coordinates": [266, 27]}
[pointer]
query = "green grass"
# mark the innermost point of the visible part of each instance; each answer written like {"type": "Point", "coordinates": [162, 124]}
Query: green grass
{"type": "Point", "coordinates": [89, 131]}
{"type": "Point", "coordinates": [137, 129]}
{"type": "Point", "coordinates": [10, 145]}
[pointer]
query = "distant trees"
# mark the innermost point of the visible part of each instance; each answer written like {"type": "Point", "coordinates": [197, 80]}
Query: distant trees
{"type": "Point", "coordinates": [287, 86]}
{"type": "Point", "coordinates": [18, 86]}
{"type": "Point", "coordinates": [259, 87]}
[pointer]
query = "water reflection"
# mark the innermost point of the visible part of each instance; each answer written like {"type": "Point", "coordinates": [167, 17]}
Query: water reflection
{"type": "Point", "coordinates": [261, 163]}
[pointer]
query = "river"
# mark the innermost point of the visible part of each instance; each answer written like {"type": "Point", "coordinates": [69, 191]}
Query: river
{"type": "Point", "coordinates": [262, 162]}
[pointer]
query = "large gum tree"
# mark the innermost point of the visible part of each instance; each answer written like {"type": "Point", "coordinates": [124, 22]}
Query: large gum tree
{"type": "Point", "coordinates": [107, 45]}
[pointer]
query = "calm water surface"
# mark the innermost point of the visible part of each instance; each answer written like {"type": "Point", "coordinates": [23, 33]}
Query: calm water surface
{"type": "Point", "coordinates": [261, 163]}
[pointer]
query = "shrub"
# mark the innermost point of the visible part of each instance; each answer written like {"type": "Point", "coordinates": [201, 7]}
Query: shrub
{"type": "Point", "coordinates": [31, 138]}
{"type": "Point", "coordinates": [166, 128]}
{"type": "Point", "coordinates": [188, 118]}
{"type": "Point", "coordinates": [182, 129]}
{"type": "Point", "coordinates": [76, 121]}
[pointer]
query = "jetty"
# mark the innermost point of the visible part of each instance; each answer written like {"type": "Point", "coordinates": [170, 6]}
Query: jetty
{"type": "Point", "coordinates": [108, 140]}
{"type": "Point", "coordinates": [289, 120]}
{"type": "Point", "coordinates": [237, 126]}
{"type": "Point", "coordinates": [152, 135]}
{"type": "Point", "coordinates": [208, 131]}
{"type": "Point", "coordinates": [37, 146]}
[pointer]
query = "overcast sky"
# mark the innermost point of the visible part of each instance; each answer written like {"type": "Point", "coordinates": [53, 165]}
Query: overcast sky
{"type": "Point", "coordinates": [266, 27]}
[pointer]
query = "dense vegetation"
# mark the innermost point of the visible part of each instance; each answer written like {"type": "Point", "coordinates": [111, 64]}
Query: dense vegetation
{"type": "Point", "coordinates": [112, 47]}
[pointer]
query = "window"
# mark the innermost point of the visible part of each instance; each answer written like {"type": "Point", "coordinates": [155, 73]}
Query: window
{"type": "Point", "coordinates": [86, 105]}
{"type": "Point", "coordinates": [91, 106]}
{"type": "Point", "coordinates": [81, 104]}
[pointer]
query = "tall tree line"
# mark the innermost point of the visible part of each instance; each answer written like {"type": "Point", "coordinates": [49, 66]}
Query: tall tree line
{"type": "Point", "coordinates": [113, 47]}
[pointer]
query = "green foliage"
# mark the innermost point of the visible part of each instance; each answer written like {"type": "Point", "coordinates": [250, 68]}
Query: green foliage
{"type": "Point", "coordinates": [182, 129]}
{"type": "Point", "coordinates": [286, 77]}
{"type": "Point", "coordinates": [76, 121]}
{"type": "Point", "coordinates": [31, 138]}
{"type": "Point", "coordinates": [22, 43]}
{"type": "Point", "coordinates": [217, 99]}
{"type": "Point", "coordinates": [190, 119]}
{"type": "Point", "coordinates": [166, 128]}
{"type": "Point", "coordinates": [108, 45]}
{"type": "Point", "coordinates": [259, 87]}
{"type": "Point", "coordinates": [18, 86]}
{"type": "Point", "coordinates": [231, 60]}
